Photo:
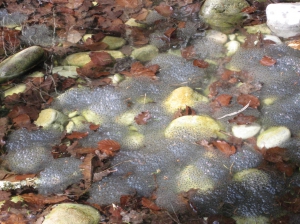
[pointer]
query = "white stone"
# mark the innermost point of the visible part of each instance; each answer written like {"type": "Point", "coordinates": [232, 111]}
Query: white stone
{"type": "Point", "coordinates": [245, 131]}
{"type": "Point", "coordinates": [273, 137]}
{"type": "Point", "coordinates": [284, 19]}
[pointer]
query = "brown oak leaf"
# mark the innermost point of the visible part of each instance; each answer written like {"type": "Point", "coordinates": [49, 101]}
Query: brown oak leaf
{"type": "Point", "coordinates": [77, 135]}
{"type": "Point", "coordinates": [138, 69]}
{"type": "Point", "coordinates": [200, 63]}
{"type": "Point", "coordinates": [164, 10]}
{"type": "Point", "coordinates": [267, 61]}
{"type": "Point", "coordinates": [224, 147]}
{"type": "Point", "coordinates": [223, 99]}
{"type": "Point", "coordinates": [149, 204]}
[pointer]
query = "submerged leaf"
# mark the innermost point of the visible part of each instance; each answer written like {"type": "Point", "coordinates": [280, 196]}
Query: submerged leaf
{"type": "Point", "coordinates": [225, 147]}
{"type": "Point", "coordinates": [142, 118]}
{"type": "Point", "coordinates": [267, 61]}
{"type": "Point", "coordinates": [244, 99]}
{"type": "Point", "coordinates": [109, 147]}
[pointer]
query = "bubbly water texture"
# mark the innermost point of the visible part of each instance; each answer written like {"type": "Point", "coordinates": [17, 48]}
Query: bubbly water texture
{"type": "Point", "coordinates": [147, 160]}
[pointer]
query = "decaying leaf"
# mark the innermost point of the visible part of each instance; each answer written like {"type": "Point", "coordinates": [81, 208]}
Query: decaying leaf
{"type": "Point", "coordinates": [142, 118]}
{"type": "Point", "coordinates": [223, 99]}
{"type": "Point", "coordinates": [94, 127]}
{"type": "Point", "coordinates": [109, 147]}
{"type": "Point", "coordinates": [244, 99]}
{"type": "Point", "coordinates": [42, 200]}
{"type": "Point", "coordinates": [138, 69]}
{"type": "Point", "coordinates": [224, 147]}
{"type": "Point", "coordinates": [184, 112]}
{"type": "Point", "coordinates": [243, 119]}
{"type": "Point", "coordinates": [285, 168]}
{"type": "Point", "coordinates": [164, 10]}
{"type": "Point", "coordinates": [275, 155]}
{"type": "Point", "coordinates": [150, 204]}
{"type": "Point", "coordinates": [188, 52]}
{"type": "Point", "coordinates": [77, 135]}
{"type": "Point", "coordinates": [267, 61]}
{"type": "Point", "coordinates": [87, 170]}
{"type": "Point", "coordinates": [200, 63]}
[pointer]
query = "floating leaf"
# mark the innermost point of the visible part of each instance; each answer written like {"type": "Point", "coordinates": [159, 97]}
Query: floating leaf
{"type": "Point", "coordinates": [225, 147]}
{"type": "Point", "coordinates": [164, 10]}
{"type": "Point", "coordinates": [150, 204]}
{"type": "Point", "coordinates": [244, 99]}
{"type": "Point", "coordinates": [142, 118]}
{"type": "Point", "coordinates": [243, 119]}
{"type": "Point", "coordinates": [109, 147]}
{"type": "Point", "coordinates": [223, 99]}
{"type": "Point", "coordinates": [77, 135]}
{"type": "Point", "coordinates": [267, 61]}
{"type": "Point", "coordinates": [200, 63]}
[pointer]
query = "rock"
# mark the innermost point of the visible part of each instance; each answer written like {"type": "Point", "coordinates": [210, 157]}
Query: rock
{"type": "Point", "coordinates": [76, 124]}
{"type": "Point", "coordinates": [252, 176]}
{"type": "Point", "coordinates": [192, 177]}
{"type": "Point", "coordinates": [82, 58]}
{"type": "Point", "coordinates": [145, 53]}
{"type": "Point", "coordinates": [223, 15]}
{"type": "Point", "coordinates": [20, 88]}
{"type": "Point", "coordinates": [19, 63]}
{"type": "Point", "coordinates": [68, 213]}
{"type": "Point", "coordinates": [50, 118]}
{"type": "Point", "coordinates": [114, 42]}
{"type": "Point", "coordinates": [92, 117]}
{"type": "Point", "coordinates": [284, 19]}
{"type": "Point", "coordinates": [251, 220]}
{"type": "Point", "coordinates": [66, 71]}
{"type": "Point", "coordinates": [272, 137]}
{"type": "Point", "coordinates": [216, 36]}
{"type": "Point", "coordinates": [232, 47]}
{"type": "Point", "coordinates": [193, 128]}
{"type": "Point", "coordinates": [182, 97]}
{"type": "Point", "coordinates": [132, 22]}
{"type": "Point", "coordinates": [262, 28]}
{"type": "Point", "coordinates": [245, 131]}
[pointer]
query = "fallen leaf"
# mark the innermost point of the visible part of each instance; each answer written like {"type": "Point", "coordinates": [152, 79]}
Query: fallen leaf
{"type": "Point", "coordinates": [181, 24]}
{"type": "Point", "coordinates": [184, 112]}
{"type": "Point", "coordinates": [94, 127]}
{"type": "Point", "coordinates": [249, 9]}
{"type": "Point", "coordinates": [138, 69]}
{"type": "Point", "coordinates": [244, 99]}
{"type": "Point", "coordinates": [224, 147]}
{"type": "Point", "coordinates": [285, 168]}
{"type": "Point", "coordinates": [243, 119]}
{"type": "Point", "coordinates": [164, 10]}
{"type": "Point", "coordinates": [101, 58]}
{"type": "Point", "coordinates": [42, 200]}
{"type": "Point", "coordinates": [188, 52]}
{"type": "Point", "coordinates": [200, 63]}
{"type": "Point", "coordinates": [169, 33]}
{"type": "Point", "coordinates": [267, 61]}
{"type": "Point", "coordinates": [128, 3]}
{"type": "Point", "coordinates": [223, 99]}
{"type": "Point", "coordinates": [275, 155]}
{"type": "Point", "coordinates": [4, 195]}
{"type": "Point", "coordinates": [77, 135]}
{"type": "Point", "coordinates": [149, 204]}
{"type": "Point", "coordinates": [100, 175]}
{"type": "Point", "coordinates": [141, 15]}
{"type": "Point", "coordinates": [142, 118]}
{"type": "Point", "coordinates": [87, 169]}
{"type": "Point", "coordinates": [109, 147]}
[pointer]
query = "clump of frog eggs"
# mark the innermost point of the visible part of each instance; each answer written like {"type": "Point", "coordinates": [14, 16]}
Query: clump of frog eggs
{"type": "Point", "coordinates": [163, 153]}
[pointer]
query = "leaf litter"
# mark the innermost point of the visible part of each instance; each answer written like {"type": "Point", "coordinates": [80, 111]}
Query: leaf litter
{"type": "Point", "coordinates": [77, 17]}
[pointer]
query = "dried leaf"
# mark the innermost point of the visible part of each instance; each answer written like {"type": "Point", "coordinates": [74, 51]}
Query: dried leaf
{"type": "Point", "coordinates": [267, 61]}
{"type": "Point", "coordinates": [101, 58]}
{"type": "Point", "coordinates": [42, 200]}
{"type": "Point", "coordinates": [142, 118]}
{"type": "Point", "coordinates": [169, 33]}
{"type": "Point", "coordinates": [249, 9]}
{"type": "Point", "coordinates": [200, 63]}
{"type": "Point", "coordinates": [285, 168]}
{"type": "Point", "coordinates": [184, 112]}
{"type": "Point", "coordinates": [77, 135]}
{"type": "Point", "coordinates": [149, 204]}
{"type": "Point", "coordinates": [244, 99]}
{"type": "Point", "coordinates": [225, 147]}
{"type": "Point", "coordinates": [128, 3]}
{"type": "Point", "coordinates": [87, 170]}
{"type": "Point", "coordinates": [164, 10]}
{"type": "Point", "coordinates": [109, 147]}
{"type": "Point", "coordinates": [188, 52]}
{"type": "Point", "coordinates": [275, 155]}
{"type": "Point", "coordinates": [4, 195]}
{"type": "Point", "coordinates": [100, 175]}
{"type": "Point", "coordinates": [243, 119]}
{"type": "Point", "coordinates": [90, 70]}
{"type": "Point", "coordinates": [223, 99]}
{"type": "Point", "coordinates": [138, 69]}
{"type": "Point", "coordinates": [94, 127]}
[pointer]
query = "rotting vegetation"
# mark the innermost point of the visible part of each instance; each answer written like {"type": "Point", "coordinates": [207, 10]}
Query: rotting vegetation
{"type": "Point", "coordinates": [131, 147]}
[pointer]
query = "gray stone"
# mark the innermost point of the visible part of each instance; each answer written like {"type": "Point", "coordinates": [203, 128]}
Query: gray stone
{"type": "Point", "coordinates": [19, 63]}
{"type": "Point", "coordinates": [68, 213]}
{"type": "Point", "coordinates": [284, 19]}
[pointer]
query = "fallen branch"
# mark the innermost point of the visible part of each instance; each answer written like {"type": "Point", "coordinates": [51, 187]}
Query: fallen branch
{"type": "Point", "coordinates": [237, 112]}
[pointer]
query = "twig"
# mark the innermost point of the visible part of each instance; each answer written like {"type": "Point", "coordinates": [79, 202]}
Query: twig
{"type": "Point", "coordinates": [237, 112]}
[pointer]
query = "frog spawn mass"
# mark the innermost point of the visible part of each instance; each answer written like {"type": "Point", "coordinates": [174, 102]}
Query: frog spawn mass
{"type": "Point", "coordinates": [156, 155]}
